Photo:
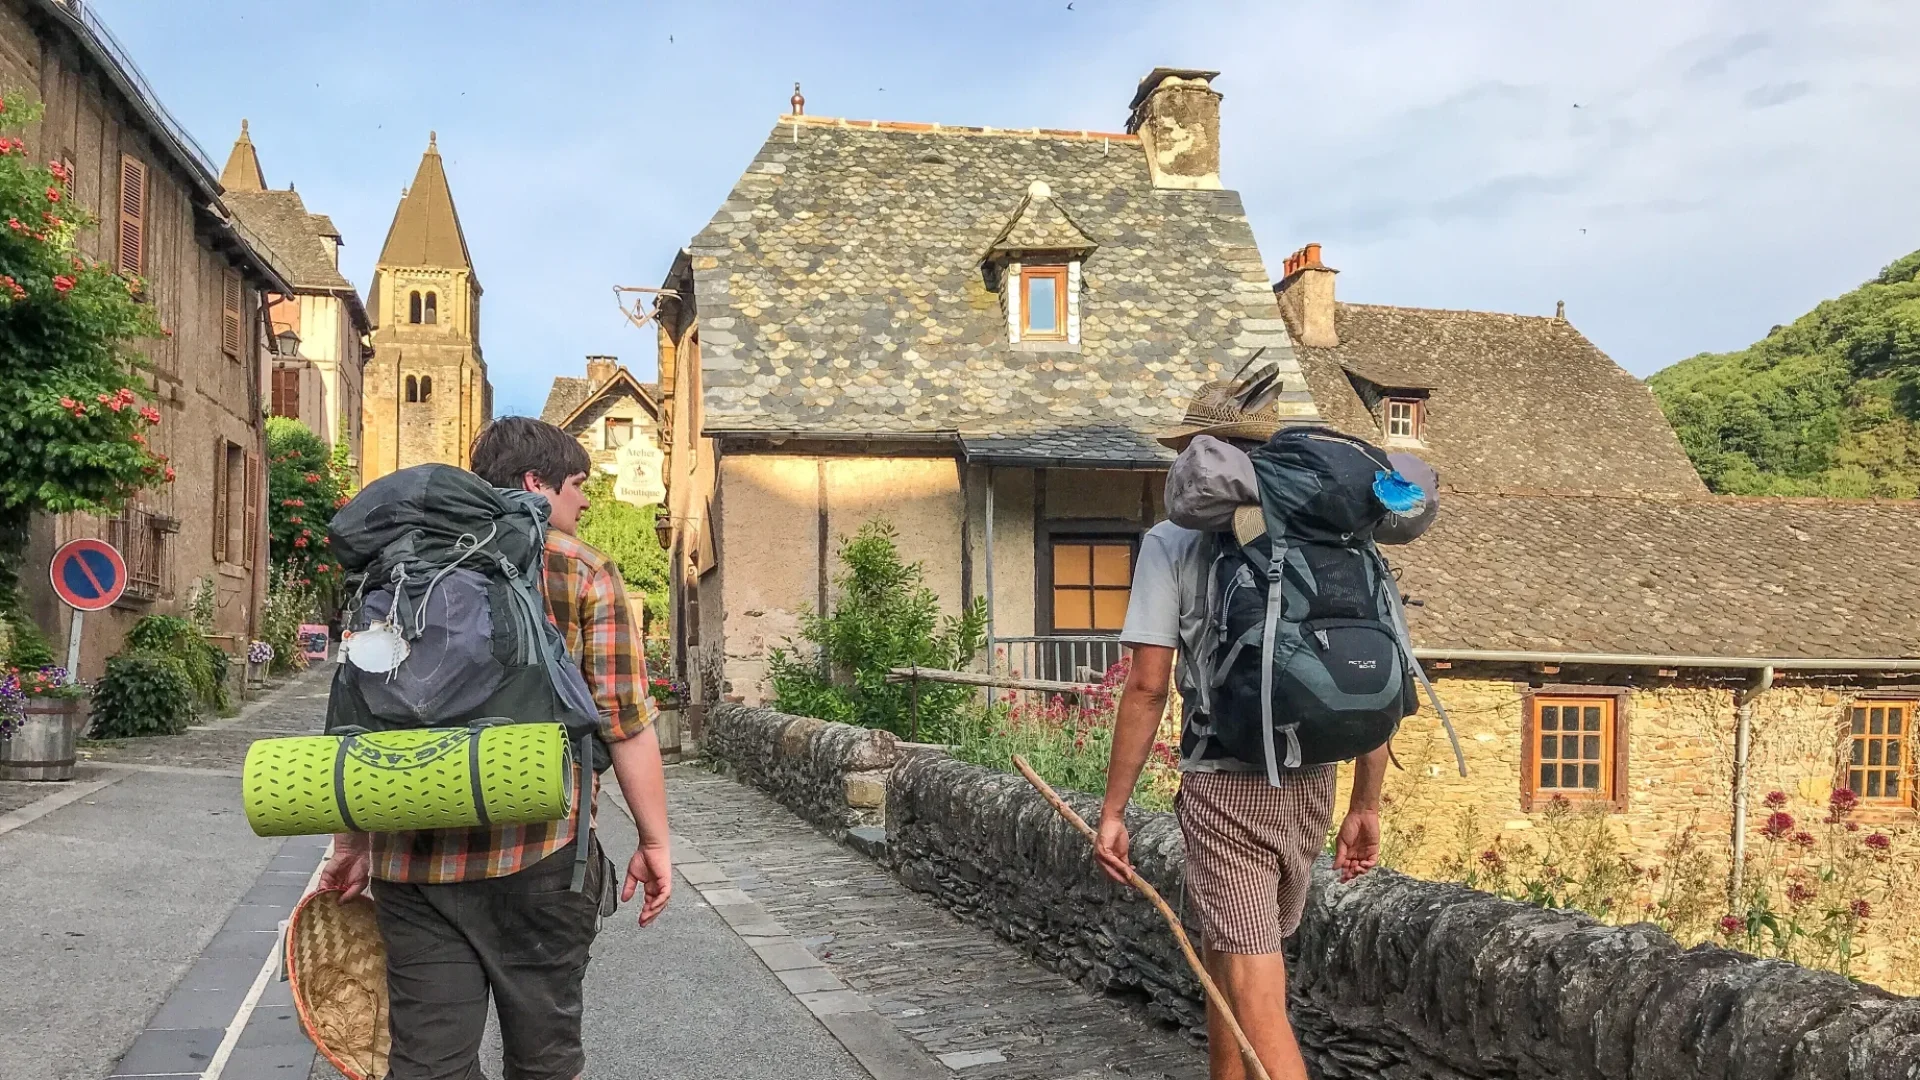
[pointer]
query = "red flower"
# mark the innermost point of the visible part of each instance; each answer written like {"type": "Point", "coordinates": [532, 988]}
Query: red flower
{"type": "Point", "coordinates": [1879, 842]}
{"type": "Point", "coordinates": [1853, 826]}
{"type": "Point", "coordinates": [299, 541]}
{"type": "Point", "coordinates": [1843, 800]}
{"type": "Point", "coordinates": [150, 414]}
{"type": "Point", "coordinates": [1731, 925]}
{"type": "Point", "coordinates": [67, 403]}
{"type": "Point", "coordinates": [312, 478]}
{"type": "Point", "coordinates": [14, 224]}
{"type": "Point", "coordinates": [169, 474]}
{"type": "Point", "coordinates": [53, 194]}
{"type": "Point", "coordinates": [62, 283]}
{"type": "Point", "coordinates": [1800, 893]}
{"type": "Point", "coordinates": [1776, 799]}
{"type": "Point", "coordinates": [1861, 909]}
{"type": "Point", "coordinates": [1778, 825]}
{"type": "Point", "coordinates": [1803, 838]}
{"type": "Point", "coordinates": [139, 439]}
{"type": "Point", "coordinates": [58, 170]}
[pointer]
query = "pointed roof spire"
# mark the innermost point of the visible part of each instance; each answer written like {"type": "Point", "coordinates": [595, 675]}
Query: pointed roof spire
{"type": "Point", "coordinates": [426, 228]}
{"type": "Point", "coordinates": [243, 166]}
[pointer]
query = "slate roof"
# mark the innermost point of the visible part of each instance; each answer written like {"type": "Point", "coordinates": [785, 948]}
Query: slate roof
{"type": "Point", "coordinates": [1515, 401]}
{"type": "Point", "coordinates": [1706, 576]}
{"type": "Point", "coordinates": [841, 292]}
{"type": "Point", "coordinates": [426, 227]}
{"type": "Point", "coordinates": [567, 394]}
{"type": "Point", "coordinates": [281, 220]}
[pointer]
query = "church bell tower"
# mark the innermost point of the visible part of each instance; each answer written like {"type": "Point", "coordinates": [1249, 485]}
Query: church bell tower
{"type": "Point", "coordinates": [426, 392]}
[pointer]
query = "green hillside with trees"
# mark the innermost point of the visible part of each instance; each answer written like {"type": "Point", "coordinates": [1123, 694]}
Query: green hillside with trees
{"type": "Point", "coordinates": [1825, 406]}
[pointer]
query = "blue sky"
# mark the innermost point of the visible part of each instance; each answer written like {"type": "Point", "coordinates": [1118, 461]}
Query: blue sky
{"type": "Point", "coordinates": [1731, 162]}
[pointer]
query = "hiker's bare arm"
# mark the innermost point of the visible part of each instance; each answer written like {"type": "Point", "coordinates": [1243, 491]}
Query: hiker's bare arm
{"type": "Point", "coordinates": [1142, 704]}
{"type": "Point", "coordinates": [1358, 848]}
{"type": "Point", "coordinates": [636, 761]}
{"type": "Point", "coordinates": [351, 865]}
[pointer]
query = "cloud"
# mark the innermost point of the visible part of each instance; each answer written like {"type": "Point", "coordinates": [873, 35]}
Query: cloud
{"type": "Point", "coordinates": [1766, 97]}
{"type": "Point", "coordinates": [1715, 63]}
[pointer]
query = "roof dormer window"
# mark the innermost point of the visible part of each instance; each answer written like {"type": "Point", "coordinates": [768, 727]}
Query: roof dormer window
{"type": "Point", "coordinates": [1043, 303]}
{"type": "Point", "coordinates": [1035, 264]}
{"type": "Point", "coordinates": [1404, 416]}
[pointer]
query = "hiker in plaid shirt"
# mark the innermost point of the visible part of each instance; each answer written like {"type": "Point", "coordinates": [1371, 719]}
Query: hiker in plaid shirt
{"type": "Point", "coordinates": [470, 914]}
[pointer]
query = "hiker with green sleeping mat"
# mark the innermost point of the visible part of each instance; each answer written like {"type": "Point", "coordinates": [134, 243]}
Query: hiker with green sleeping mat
{"type": "Point", "coordinates": [506, 912]}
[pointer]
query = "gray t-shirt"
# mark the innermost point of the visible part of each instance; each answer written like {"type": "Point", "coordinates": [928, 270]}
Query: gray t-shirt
{"type": "Point", "coordinates": [1169, 607]}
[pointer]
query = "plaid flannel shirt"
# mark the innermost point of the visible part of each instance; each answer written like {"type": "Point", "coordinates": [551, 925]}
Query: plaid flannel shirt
{"type": "Point", "coordinates": [587, 600]}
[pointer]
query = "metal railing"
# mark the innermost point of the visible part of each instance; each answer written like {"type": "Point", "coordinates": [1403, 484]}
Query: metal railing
{"type": "Point", "coordinates": [141, 537]}
{"type": "Point", "coordinates": [1060, 659]}
{"type": "Point", "coordinates": [90, 24]}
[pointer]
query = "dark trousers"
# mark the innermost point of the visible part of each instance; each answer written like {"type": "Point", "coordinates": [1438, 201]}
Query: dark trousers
{"type": "Point", "coordinates": [522, 939]}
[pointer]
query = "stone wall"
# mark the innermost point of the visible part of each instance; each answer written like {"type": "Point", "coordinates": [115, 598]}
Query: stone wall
{"type": "Point", "coordinates": [832, 775]}
{"type": "Point", "coordinates": [1392, 978]}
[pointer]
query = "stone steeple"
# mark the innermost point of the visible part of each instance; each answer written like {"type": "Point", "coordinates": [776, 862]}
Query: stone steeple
{"type": "Point", "coordinates": [243, 166]}
{"type": "Point", "coordinates": [426, 388]}
{"type": "Point", "coordinates": [426, 228]}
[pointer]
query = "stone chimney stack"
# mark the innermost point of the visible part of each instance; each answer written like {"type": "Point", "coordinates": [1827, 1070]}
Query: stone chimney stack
{"type": "Point", "coordinates": [1176, 113]}
{"type": "Point", "coordinates": [600, 369]}
{"type": "Point", "coordinates": [1306, 299]}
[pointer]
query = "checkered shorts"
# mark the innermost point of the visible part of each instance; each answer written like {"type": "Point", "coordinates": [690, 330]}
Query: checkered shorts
{"type": "Point", "coordinates": [1249, 852]}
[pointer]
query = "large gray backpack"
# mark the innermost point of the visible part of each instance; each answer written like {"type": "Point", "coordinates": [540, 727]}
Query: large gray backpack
{"type": "Point", "coordinates": [1311, 661]}
{"type": "Point", "coordinates": [453, 567]}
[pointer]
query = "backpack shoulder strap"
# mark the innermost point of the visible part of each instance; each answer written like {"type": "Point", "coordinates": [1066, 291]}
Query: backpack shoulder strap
{"type": "Point", "coordinates": [1398, 619]}
{"type": "Point", "coordinates": [1270, 627]}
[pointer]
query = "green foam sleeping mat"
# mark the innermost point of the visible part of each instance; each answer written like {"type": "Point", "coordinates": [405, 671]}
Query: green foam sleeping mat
{"type": "Point", "coordinates": [391, 781]}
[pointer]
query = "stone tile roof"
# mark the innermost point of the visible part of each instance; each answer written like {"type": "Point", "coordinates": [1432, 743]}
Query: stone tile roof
{"type": "Point", "coordinates": [1068, 447]}
{"type": "Point", "coordinates": [567, 394]}
{"type": "Point", "coordinates": [281, 221]}
{"type": "Point", "coordinates": [1706, 576]}
{"type": "Point", "coordinates": [840, 288]}
{"type": "Point", "coordinates": [426, 228]}
{"type": "Point", "coordinates": [1516, 400]}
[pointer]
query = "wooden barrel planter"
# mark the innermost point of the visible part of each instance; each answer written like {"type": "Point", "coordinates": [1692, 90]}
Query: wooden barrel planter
{"type": "Point", "coordinates": [43, 747]}
{"type": "Point", "coordinates": [667, 726]}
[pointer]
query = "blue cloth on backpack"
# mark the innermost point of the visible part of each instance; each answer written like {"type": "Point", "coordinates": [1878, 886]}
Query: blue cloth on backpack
{"type": "Point", "coordinates": [1397, 493]}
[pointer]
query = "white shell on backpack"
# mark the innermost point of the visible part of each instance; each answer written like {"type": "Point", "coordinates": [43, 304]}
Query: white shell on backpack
{"type": "Point", "coordinates": [378, 648]}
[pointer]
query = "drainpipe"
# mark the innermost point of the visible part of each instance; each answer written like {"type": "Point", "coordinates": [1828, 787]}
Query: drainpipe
{"type": "Point", "coordinates": [992, 647]}
{"type": "Point", "coordinates": [1742, 745]}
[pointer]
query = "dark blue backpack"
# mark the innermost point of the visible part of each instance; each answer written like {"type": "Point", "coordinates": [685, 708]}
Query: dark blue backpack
{"type": "Point", "coordinates": [1312, 660]}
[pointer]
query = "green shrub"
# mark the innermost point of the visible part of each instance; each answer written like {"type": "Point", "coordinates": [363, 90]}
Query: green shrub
{"type": "Point", "coordinates": [179, 639]}
{"type": "Point", "coordinates": [142, 695]}
{"type": "Point", "coordinates": [886, 618]}
{"type": "Point", "coordinates": [291, 601]}
{"type": "Point", "coordinates": [27, 648]}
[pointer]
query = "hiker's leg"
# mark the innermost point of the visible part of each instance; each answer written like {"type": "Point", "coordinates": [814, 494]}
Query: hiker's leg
{"type": "Point", "coordinates": [1256, 987]}
{"type": "Point", "coordinates": [534, 938]}
{"type": "Point", "coordinates": [438, 992]}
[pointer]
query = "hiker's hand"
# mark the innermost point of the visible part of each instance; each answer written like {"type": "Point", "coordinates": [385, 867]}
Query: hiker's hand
{"type": "Point", "coordinates": [1112, 846]}
{"type": "Point", "coordinates": [1358, 849]}
{"type": "Point", "coordinates": [349, 869]}
{"type": "Point", "coordinates": [650, 868]}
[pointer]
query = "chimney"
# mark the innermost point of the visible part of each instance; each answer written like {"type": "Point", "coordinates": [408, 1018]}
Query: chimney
{"type": "Point", "coordinates": [600, 369]}
{"type": "Point", "coordinates": [1306, 299]}
{"type": "Point", "coordinates": [1176, 113]}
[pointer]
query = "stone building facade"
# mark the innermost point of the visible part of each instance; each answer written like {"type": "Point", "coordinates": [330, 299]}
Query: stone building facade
{"type": "Point", "coordinates": [153, 190]}
{"type": "Point", "coordinates": [616, 417]}
{"type": "Point", "coordinates": [426, 391]}
{"type": "Point", "coordinates": [318, 334]}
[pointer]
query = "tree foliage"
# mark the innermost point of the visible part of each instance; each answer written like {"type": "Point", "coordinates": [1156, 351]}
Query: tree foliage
{"type": "Point", "coordinates": [886, 618]}
{"type": "Point", "coordinates": [1826, 406]}
{"type": "Point", "coordinates": [73, 411]}
{"type": "Point", "coordinates": [303, 490]}
{"type": "Point", "coordinates": [624, 533]}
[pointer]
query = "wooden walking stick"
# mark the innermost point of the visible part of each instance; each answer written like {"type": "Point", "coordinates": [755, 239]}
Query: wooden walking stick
{"type": "Point", "coordinates": [1214, 996]}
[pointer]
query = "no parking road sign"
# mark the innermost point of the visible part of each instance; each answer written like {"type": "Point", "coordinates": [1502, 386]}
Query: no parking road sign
{"type": "Point", "coordinates": [89, 574]}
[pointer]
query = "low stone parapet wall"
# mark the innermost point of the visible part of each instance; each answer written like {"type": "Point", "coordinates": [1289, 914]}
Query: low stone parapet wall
{"type": "Point", "coordinates": [1391, 978]}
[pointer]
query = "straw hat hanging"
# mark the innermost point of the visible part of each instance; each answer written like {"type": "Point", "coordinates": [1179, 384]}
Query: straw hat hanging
{"type": "Point", "coordinates": [337, 964]}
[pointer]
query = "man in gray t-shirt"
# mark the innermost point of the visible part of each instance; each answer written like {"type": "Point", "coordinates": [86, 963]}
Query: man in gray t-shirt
{"type": "Point", "coordinates": [1249, 845]}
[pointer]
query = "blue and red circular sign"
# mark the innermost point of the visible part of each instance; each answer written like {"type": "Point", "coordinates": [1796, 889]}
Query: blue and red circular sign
{"type": "Point", "coordinates": [89, 574]}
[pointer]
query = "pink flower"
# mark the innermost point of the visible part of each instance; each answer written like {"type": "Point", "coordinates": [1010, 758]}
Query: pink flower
{"type": "Point", "coordinates": [150, 414]}
{"type": "Point", "coordinates": [1731, 925]}
{"type": "Point", "coordinates": [59, 171]}
{"type": "Point", "coordinates": [169, 474]}
{"type": "Point", "coordinates": [1861, 909]}
{"type": "Point", "coordinates": [62, 283]}
{"type": "Point", "coordinates": [1879, 842]}
{"type": "Point", "coordinates": [1800, 893]}
{"type": "Point", "coordinates": [1778, 825]}
{"type": "Point", "coordinates": [299, 541]}
{"type": "Point", "coordinates": [1803, 838]}
{"type": "Point", "coordinates": [53, 194]}
{"type": "Point", "coordinates": [14, 224]}
{"type": "Point", "coordinates": [1842, 800]}
{"type": "Point", "coordinates": [1776, 799]}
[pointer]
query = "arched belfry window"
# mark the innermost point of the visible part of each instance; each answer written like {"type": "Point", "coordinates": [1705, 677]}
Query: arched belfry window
{"type": "Point", "coordinates": [413, 389]}
{"type": "Point", "coordinates": [426, 387]}
{"type": "Point", "coordinates": [413, 307]}
{"type": "Point", "coordinates": [433, 307]}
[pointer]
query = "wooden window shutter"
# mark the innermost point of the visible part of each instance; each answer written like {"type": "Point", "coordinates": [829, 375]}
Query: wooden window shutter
{"type": "Point", "coordinates": [286, 392]}
{"type": "Point", "coordinates": [251, 534]}
{"type": "Point", "coordinates": [232, 325]}
{"type": "Point", "coordinates": [220, 500]}
{"type": "Point", "coordinates": [132, 255]}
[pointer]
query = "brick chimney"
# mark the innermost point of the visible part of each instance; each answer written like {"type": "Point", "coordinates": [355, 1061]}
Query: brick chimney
{"type": "Point", "coordinates": [1176, 113]}
{"type": "Point", "coordinates": [1306, 299]}
{"type": "Point", "coordinates": [600, 369]}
